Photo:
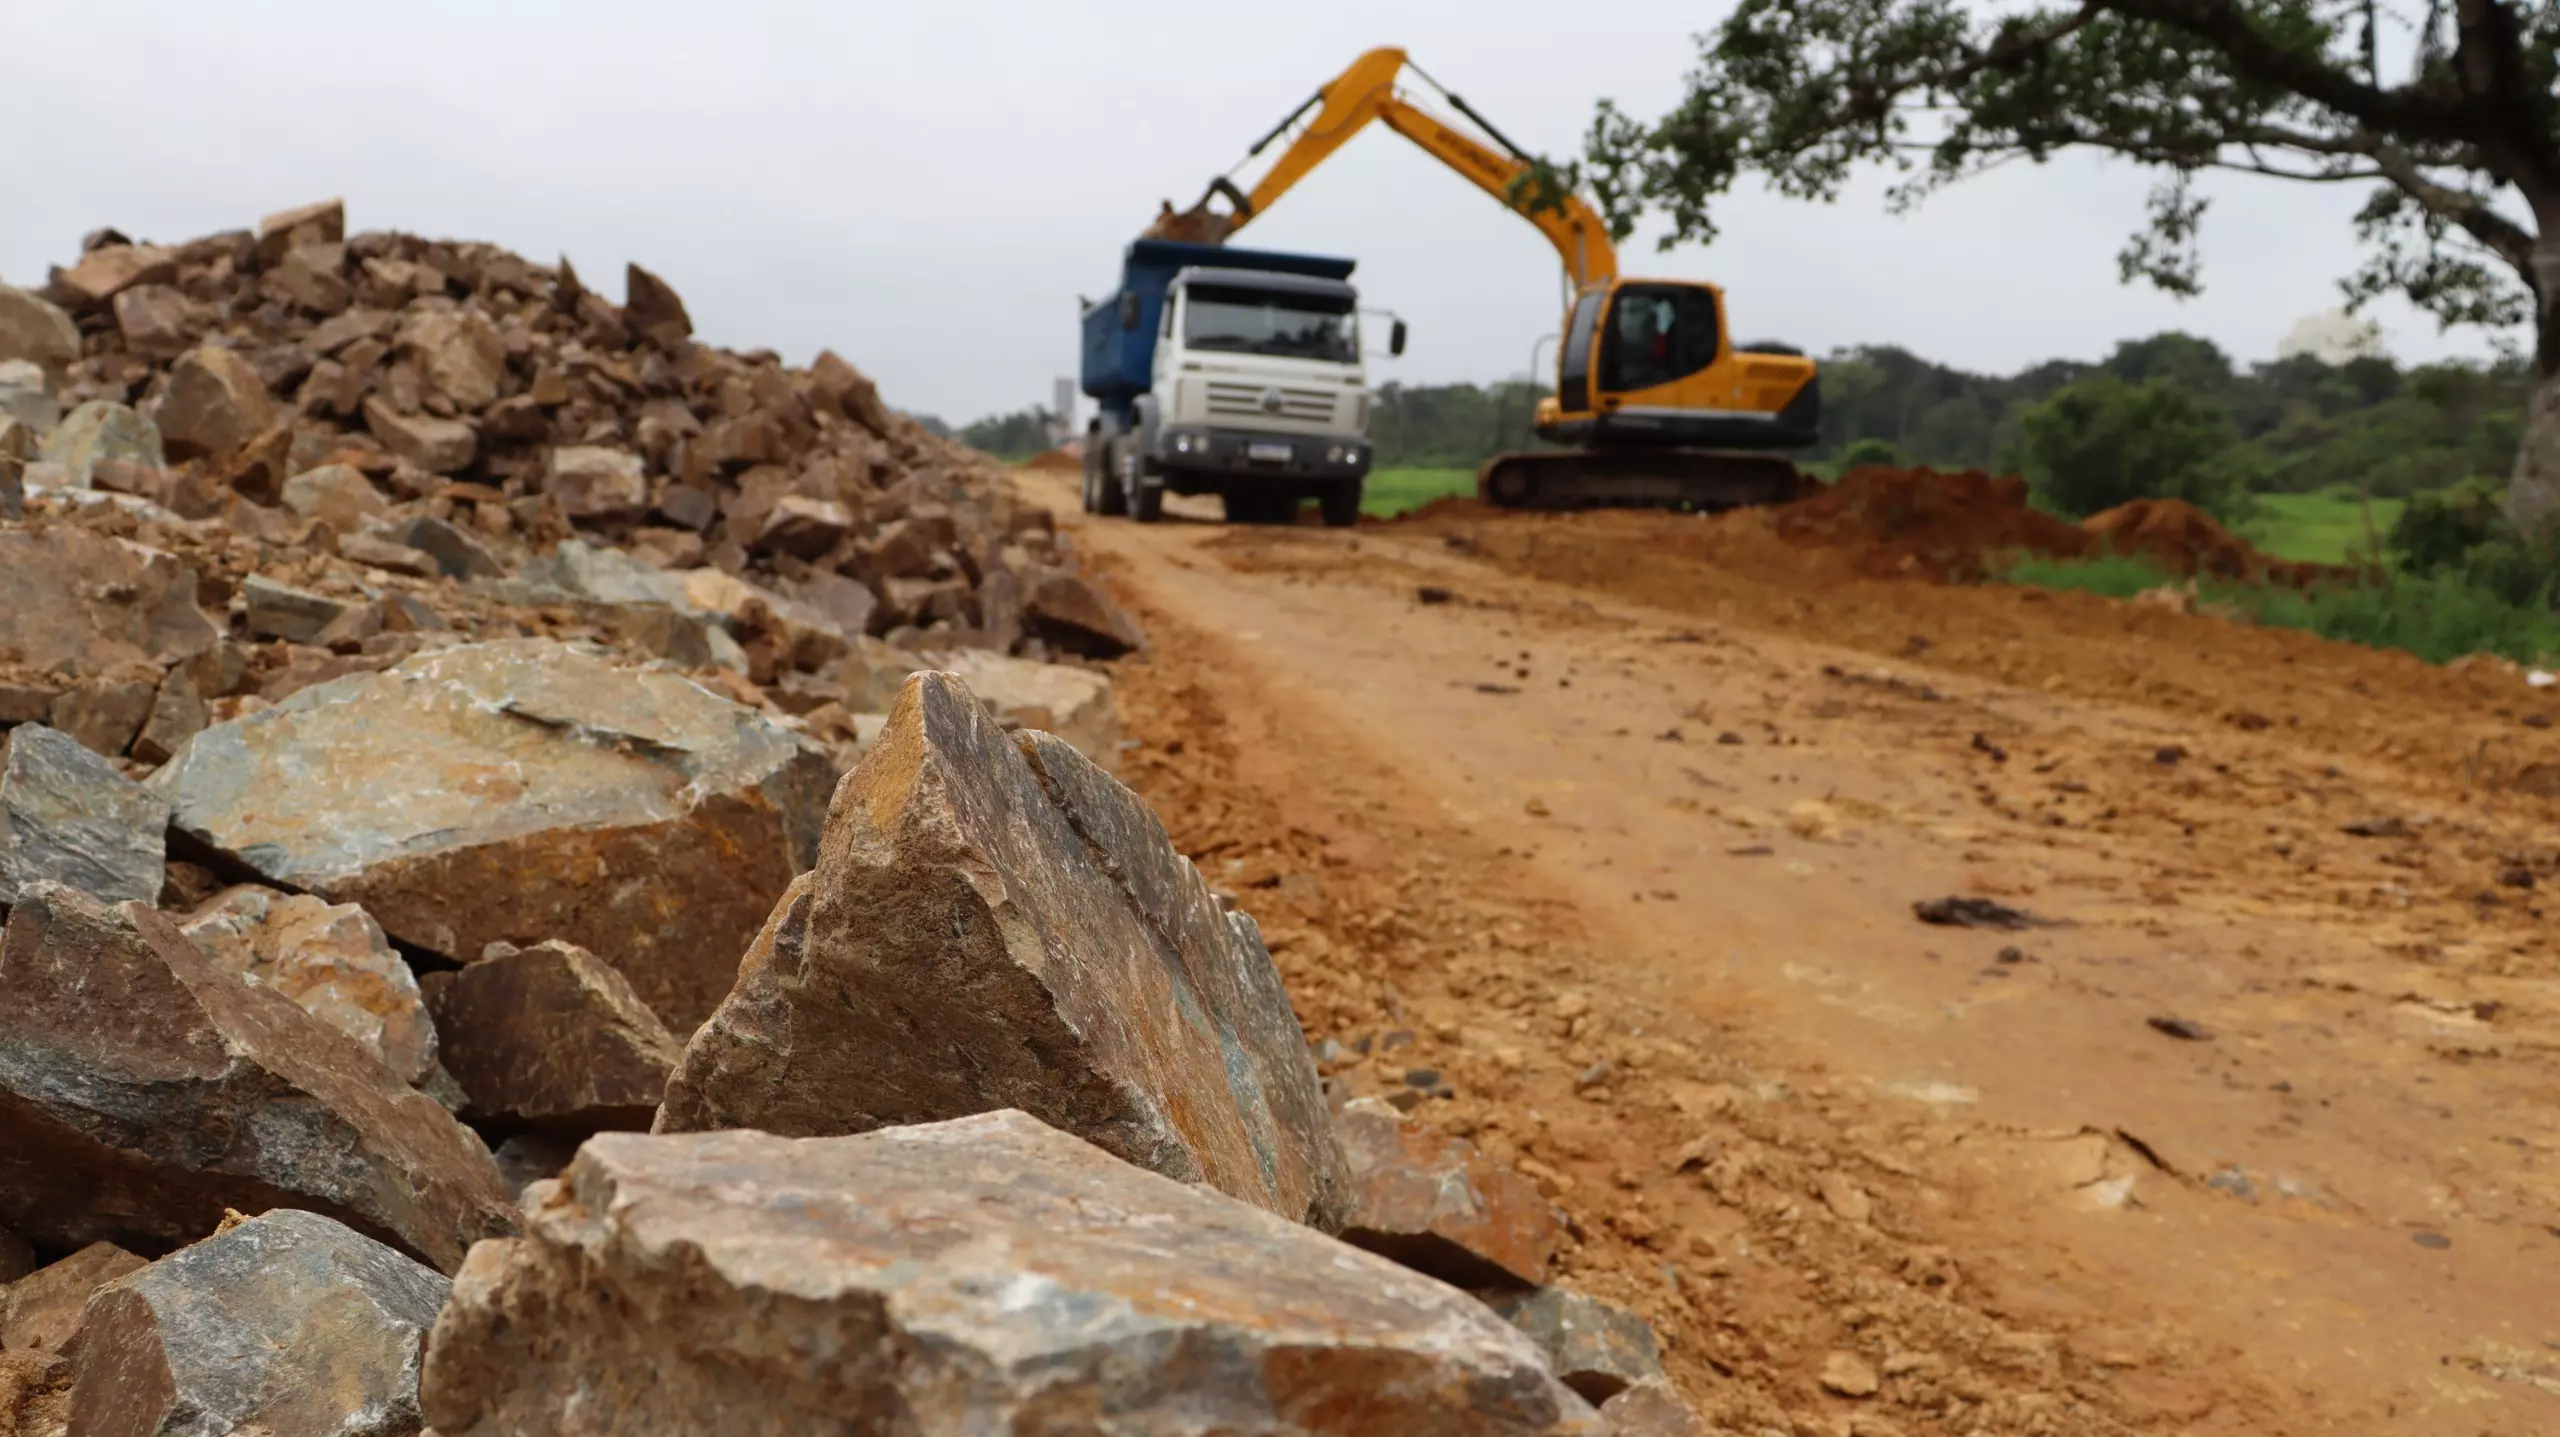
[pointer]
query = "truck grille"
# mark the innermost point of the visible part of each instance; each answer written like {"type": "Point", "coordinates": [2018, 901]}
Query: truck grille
{"type": "Point", "coordinates": [1231, 400]}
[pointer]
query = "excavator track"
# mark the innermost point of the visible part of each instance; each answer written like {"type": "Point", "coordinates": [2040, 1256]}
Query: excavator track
{"type": "Point", "coordinates": [1703, 479]}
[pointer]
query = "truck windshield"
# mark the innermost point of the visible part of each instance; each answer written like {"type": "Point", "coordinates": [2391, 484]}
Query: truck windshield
{"type": "Point", "coordinates": [1258, 321]}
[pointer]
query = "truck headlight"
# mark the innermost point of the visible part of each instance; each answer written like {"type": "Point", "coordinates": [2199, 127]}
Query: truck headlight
{"type": "Point", "coordinates": [1182, 444]}
{"type": "Point", "coordinates": [1335, 454]}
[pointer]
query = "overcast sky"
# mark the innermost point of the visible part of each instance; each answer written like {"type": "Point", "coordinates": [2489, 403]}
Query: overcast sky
{"type": "Point", "coordinates": [927, 188]}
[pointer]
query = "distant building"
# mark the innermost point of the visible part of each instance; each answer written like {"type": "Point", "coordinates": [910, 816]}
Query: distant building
{"type": "Point", "coordinates": [2332, 338]}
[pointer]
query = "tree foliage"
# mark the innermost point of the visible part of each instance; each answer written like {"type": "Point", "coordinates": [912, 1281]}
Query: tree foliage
{"type": "Point", "coordinates": [1017, 435]}
{"type": "Point", "coordinates": [2102, 441]}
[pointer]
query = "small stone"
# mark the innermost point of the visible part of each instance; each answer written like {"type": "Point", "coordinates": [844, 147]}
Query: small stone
{"type": "Point", "coordinates": [457, 555]}
{"type": "Point", "coordinates": [336, 494]}
{"type": "Point", "coordinates": [986, 1275]}
{"type": "Point", "coordinates": [1849, 1375]}
{"type": "Point", "coordinates": [67, 816]}
{"type": "Point", "coordinates": [284, 1325]}
{"type": "Point", "coordinates": [1652, 1408]}
{"type": "Point", "coordinates": [594, 483]}
{"type": "Point", "coordinates": [1596, 1349]}
{"type": "Point", "coordinates": [144, 1090]}
{"type": "Point", "coordinates": [438, 446]}
{"type": "Point", "coordinates": [1437, 1205]}
{"type": "Point", "coordinates": [39, 1312]}
{"type": "Point", "coordinates": [650, 306]}
{"type": "Point", "coordinates": [215, 403]}
{"type": "Point", "coordinates": [98, 431]}
{"type": "Point", "coordinates": [1073, 616]}
{"type": "Point", "coordinates": [279, 611]}
{"type": "Point", "coordinates": [332, 959]}
{"type": "Point", "coordinates": [552, 1036]}
{"type": "Point", "coordinates": [1847, 1201]}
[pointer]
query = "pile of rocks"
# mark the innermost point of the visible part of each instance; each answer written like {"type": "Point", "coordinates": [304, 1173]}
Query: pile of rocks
{"type": "Point", "coordinates": [478, 956]}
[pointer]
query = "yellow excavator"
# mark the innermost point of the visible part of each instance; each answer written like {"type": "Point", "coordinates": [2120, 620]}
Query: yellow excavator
{"type": "Point", "coordinates": [1653, 399]}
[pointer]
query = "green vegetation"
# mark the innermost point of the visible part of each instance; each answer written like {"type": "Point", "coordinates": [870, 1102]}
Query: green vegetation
{"type": "Point", "coordinates": [2103, 442]}
{"type": "Point", "coordinates": [1011, 437]}
{"type": "Point", "coordinates": [2324, 528]}
{"type": "Point", "coordinates": [1390, 492]}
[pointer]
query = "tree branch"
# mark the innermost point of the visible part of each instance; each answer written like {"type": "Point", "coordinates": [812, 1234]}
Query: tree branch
{"type": "Point", "coordinates": [2401, 110]}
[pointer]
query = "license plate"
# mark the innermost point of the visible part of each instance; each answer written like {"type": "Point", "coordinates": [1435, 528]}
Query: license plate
{"type": "Point", "coordinates": [1269, 453]}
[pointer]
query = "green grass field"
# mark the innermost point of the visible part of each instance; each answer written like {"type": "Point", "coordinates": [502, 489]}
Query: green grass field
{"type": "Point", "coordinates": [2316, 528]}
{"type": "Point", "coordinates": [1395, 491]}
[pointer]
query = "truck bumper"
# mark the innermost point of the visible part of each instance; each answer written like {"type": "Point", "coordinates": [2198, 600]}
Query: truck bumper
{"type": "Point", "coordinates": [1230, 454]}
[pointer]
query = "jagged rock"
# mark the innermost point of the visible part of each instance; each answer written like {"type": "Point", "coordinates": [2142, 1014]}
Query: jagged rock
{"type": "Point", "coordinates": [337, 494]}
{"type": "Point", "coordinates": [518, 791]}
{"type": "Point", "coordinates": [992, 926]}
{"type": "Point", "coordinates": [280, 611]}
{"type": "Point", "coordinates": [803, 527]}
{"type": "Point", "coordinates": [26, 397]}
{"type": "Point", "coordinates": [551, 1036]}
{"type": "Point", "coordinates": [34, 1388]}
{"type": "Point", "coordinates": [1075, 704]}
{"type": "Point", "coordinates": [312, 276]}
{"type": "Point", "coordinates": [1652, 1408]}
{"type": "Point", "coordinates": [1073, 616]}
{"type": "Point", "coordinates": [985, 1275]}
{"type": "Point", "coordinates": [459, 353]}
{"type": "Point", "coordinates": [321, 223]}
{"type": "Point", "coordinates": [144, 1090]}
{"type": "Point", "coordinates": [214, 404]}
{"type": "Point", "coordinates": [104, 273]}
{"type": "Point", "coordinates": [593, 482]}
{"type": "Point", "coordinates": [67, 816]}
{"type": "Point", "coordinates": [849, 390]}
{"type": "Point", "coordinates": [76, 605]}
{"type": "Point", "coordinates": [330, 958]}
{"type": "Point", "coordinates": [1598, 1350]}
{"type": "Point", "coordinates": [650, 306]}
{"type": "Point", "coordinates": [98, 431]}
{"type": "Point", "coordinates": [438, 446]}
{"type": "Point", "coordinates": [37, 332]}
{"type": "Point", "coordinates": [791, 635]}
{"type": "Point", "coordinates": [456, 554]}
{"type": "Point", "coordinates": [288, 1325]}
{"type": "Point", "coordinates": [155, 320]}
{"type": "Point", "coordinates": [1434, 1203]}
{"type": "Point", "coordinates": [105, 715]}
{"type": "Point", "coordinates": [178, 713]}
{"type": "Point", "coordinates": [39, 1312]}
{"type": "Point", "coordinates": [842, 602]}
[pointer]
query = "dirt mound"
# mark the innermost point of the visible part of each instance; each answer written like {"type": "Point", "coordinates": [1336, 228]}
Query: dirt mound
{"type": "Point", "coordinates": [1940, 524]}
{"type": "Point", "coordinates": [1058, 460]}
{"type": "Point", "coordinates": [2184, 539]}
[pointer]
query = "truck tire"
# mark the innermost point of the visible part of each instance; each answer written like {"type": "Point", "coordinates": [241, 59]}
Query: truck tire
{"type": "Point", "coordinates": [1094, 449]}
{"type": "Point", "coordinates": [1341, 505]}
{"type": "Point", "coordinates": [1146, 504]}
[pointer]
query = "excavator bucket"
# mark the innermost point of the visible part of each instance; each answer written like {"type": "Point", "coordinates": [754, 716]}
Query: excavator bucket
{"type": "Point", "coordinates": [1196, 225]}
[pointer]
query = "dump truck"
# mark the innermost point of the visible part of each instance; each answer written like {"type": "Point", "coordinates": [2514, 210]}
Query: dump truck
{"type": "Point", "coordinates": [1232, 372]}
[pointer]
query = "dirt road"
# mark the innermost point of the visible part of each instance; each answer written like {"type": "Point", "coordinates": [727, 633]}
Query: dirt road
{"type": "Point", "coordinates": [1619, 836]}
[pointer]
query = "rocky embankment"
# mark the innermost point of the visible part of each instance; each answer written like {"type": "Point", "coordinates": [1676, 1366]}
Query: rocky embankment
{"type": "Point", "coordinates": [558, 878]}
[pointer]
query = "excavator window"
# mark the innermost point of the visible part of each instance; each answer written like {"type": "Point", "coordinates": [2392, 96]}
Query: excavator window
{"type": "Point", "coordinates": [1657, 333]}
{"type": "Point", "coordinates": [1573, 376]}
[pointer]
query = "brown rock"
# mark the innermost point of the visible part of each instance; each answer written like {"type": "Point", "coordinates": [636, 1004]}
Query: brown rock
{"type": "Point", "coordinates": [843, 603]}
{"type": "Point", "coordinates": [285, 1325]}
{"type": "Point", "coordinates": [40, 1312]}
{"type": "Point", "coordinates": [37, 332]}
{"type": "Point", "coordinates": [518, 791]}
{"type": "Point", "coordinates": [1849, 1375]}
{"type": "Point", "coordinates": [97, 432]}
{"type": "Point", "coordinates": [79, 605]}
{"type": "Point", "coordinates": [899, 549]}
{"type": "Point", "coordinates": [312, 276]}
{"type": "Point", "coordinates": [178, 713]}
{"type": "Point", "coordinates": [338, 494]}
{"type": "Point", "coordinates": [687, 506]}
{"type": "Point", "coordinates": [1028, 913]}
{"type": "Point", "coordinates": [1652, 1408]}
{"type": "Point", "coordinates": [104, 273]}
{"type": "Point", "coordinates": [650, 306]}
{"type": "Point", "coordinates": [16, 1261]}
{"type": "Point", "coordinates": [156, 321]}
{"type": "Point", "coordinates": [279, 611]}
{"type": "Point", "coordinates": [339, 331]}
{"type": "Point", "coordinates": [850, 391]}
{"type": "Point", "coordinates": [1598, 1350]}
{"type": "Point", "coordinates": [105, 715]}
{"type": "Point", "coordinates": [144, 1090]}
{"type": "Point", "coordinates": [592, 482]}
{"type": "Point", "coordinates": [1434, 1203]}
{"type": "Point", "coordinates": [384, 554]}
{"type": "Point", "coordinates": [322, 223]}
{"type": "Point", "coordinates": [214, 404]}
{"type": "Point", "coordinates": [1074, 704]}
{"type": "Point", "coordinates": [802, 527]}
{"type": "Point", "coordinates": [551, 1036]}
{"type": "Point", "coordinates": [1071, 615]}
{"type": "Point", "coordinates": [984, 1275]}
{"type": "Point", "coordinates": [459, 353]}
{"type": "Point", "coordinates": [438, 446]}
{"type": "Point", "coordinates": [331, 959]}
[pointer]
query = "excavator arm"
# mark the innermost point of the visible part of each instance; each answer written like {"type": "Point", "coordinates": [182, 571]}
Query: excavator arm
{"type": "Point", "coordinates": [1367, 91]}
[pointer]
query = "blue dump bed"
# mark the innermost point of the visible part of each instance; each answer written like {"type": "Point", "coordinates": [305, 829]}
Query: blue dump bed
{"type": "Point", "coordinates": [1119, 360]}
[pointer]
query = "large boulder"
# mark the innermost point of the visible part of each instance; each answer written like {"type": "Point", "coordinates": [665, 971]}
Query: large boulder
{"type": "Point", "coordinates": [37, 332]}
{"type": "Point", "coordinates": [1437, 1204]}
{"type": "Point", "coordinates": [288, 1325]}
{"type": "Point", "coordinates": [145, 1090]}
{"type": "Point", "coordinates": [994, 924]}
{"type": "Point", "coordinates": [332, 959]}
{"type": "Point", "coordinates": [989, 1275]}
{"type": "Point", "coordinates": [552, 1037]}
{"type": "Point", "coordinates": [67, 816]}
{"type": "Point", "coordinates": [518, 791]}
{"type": "Point", "coordinates": [214, 404]}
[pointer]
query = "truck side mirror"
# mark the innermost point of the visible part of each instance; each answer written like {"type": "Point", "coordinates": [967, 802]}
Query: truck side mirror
{"type": "Point", "coordinates": [1128, 310]}
{"type": "Point", "coordinates": [1395, 338]}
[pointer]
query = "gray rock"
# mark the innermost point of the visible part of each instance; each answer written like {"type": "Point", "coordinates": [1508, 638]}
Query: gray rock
{"type": "Point", "coordinates": [288, 1325]}
{"type": "Point", "coordinates": [1072, 616]}
{"type": "Point", "coordinates": [1652, 1408]}
{"type": "Point", "coordinates": [144, 1090]}
{"type": "Point", "coordinates": [520, 791]}
{"type": "Point", "coordinates": [992, 926]}
{"type": "Point", "coordinates": [1597, 1349]}
{"type": "Point", "coordinates": [989, 1275]}
{"type": "Point", "coordinates": [98, 431]}
{"type": "Point", "coordinates": [457, 555]}
{"type": "Point", "coordinates": [67, 816]}
{"type": "Point", "coordinates": [26, 395]}
{"type": "Point", "coordinates": [280, 611]}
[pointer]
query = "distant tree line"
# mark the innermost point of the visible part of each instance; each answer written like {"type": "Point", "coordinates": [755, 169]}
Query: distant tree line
{"type": "Point", "coordinates": [1018, 435]}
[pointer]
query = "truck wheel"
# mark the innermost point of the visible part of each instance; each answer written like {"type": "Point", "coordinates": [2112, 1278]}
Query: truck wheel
{"type": "Point", "coordinates": [1092, 496]}
{"type": "Point", "coordinates": [1146, 505]}
{"type": "Point", "coordinates": [1341, 505]}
